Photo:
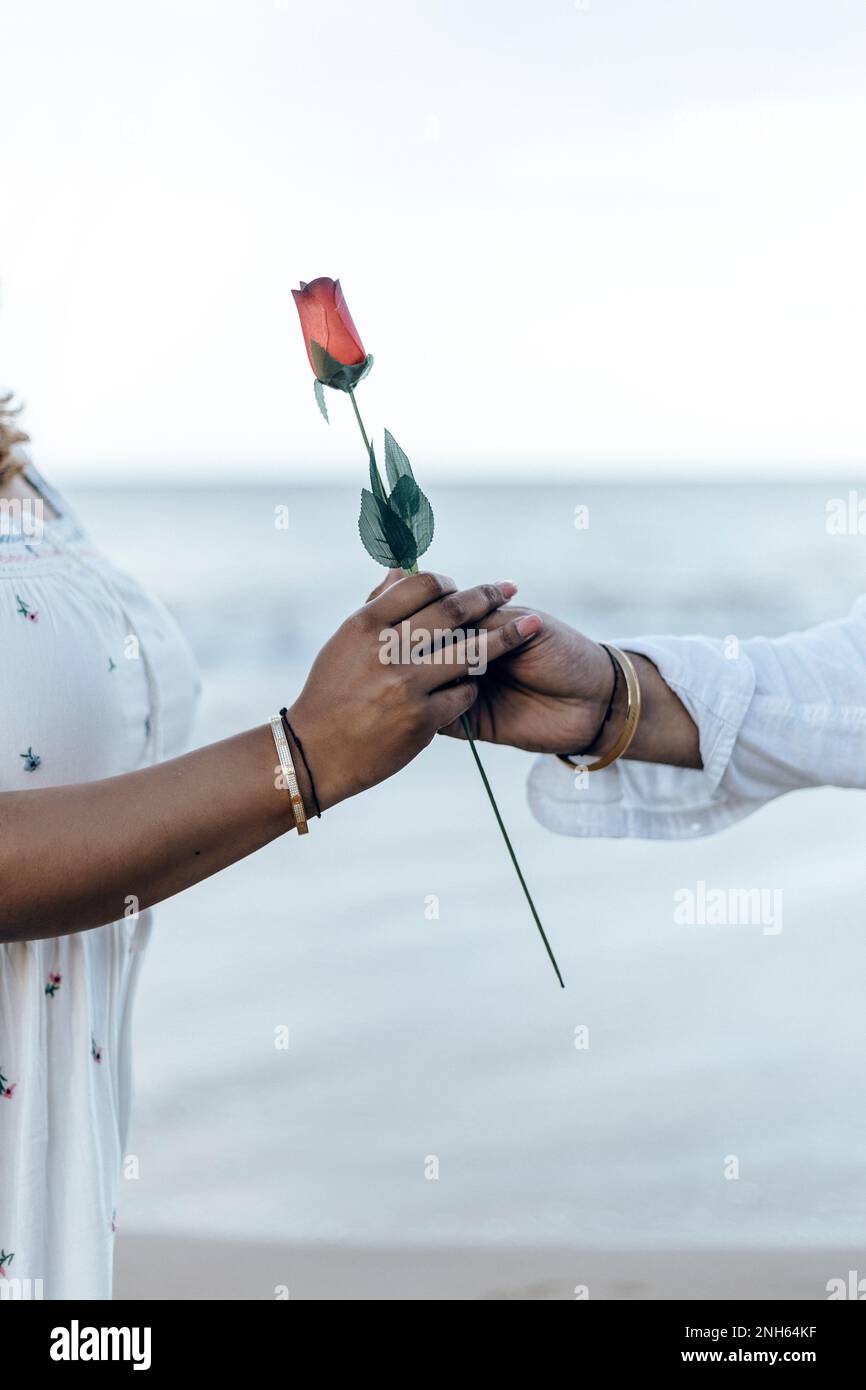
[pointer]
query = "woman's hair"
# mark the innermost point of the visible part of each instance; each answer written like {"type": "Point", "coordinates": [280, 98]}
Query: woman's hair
{"type": "Point", "coordinates": [10, 437]}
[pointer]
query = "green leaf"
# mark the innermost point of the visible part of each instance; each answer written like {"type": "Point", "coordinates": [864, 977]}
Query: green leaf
{"type": "Point", "coordinates": [406, 498]}
{"type": "Point", "coordinates": [324, 365]}
{"type": "Point", "coordinates": [399, 537]}
{"type": "Point", "coordinates": [385, 535]}
{"type": "Point", "coordinates": [409, 501]}
{"type": "Point", "coordinates": [422, 525]}
{"type": "Point", "coordinates": [339, 375]}
{"type": "Point", "coordinates": [397, 465]}
{"type": "Point", "coordinates": [319, 393]}
{"type": "Point", "coordinates": [376, 483]}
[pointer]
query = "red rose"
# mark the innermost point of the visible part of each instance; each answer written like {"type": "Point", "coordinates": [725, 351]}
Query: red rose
{"type": "Point", "coordinates": [333, 345]}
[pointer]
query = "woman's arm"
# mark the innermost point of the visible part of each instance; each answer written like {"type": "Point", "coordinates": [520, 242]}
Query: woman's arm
{"type": "Point", "coordinates": [74, 857]}
{"type": "Point", "coordinates": [79, 856]}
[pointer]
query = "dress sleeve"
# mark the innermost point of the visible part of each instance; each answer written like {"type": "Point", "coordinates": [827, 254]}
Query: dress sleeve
{"type": "Point", "coordinates": [773, 715]}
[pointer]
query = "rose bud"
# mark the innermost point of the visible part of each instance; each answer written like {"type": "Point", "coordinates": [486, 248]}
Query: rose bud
{"type": "Point", "coordinates": [334, 348]}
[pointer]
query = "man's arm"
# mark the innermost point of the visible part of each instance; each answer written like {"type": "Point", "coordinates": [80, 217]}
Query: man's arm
{"type": "Point", "coordinates": [554, 696]}
{"type": "Point", "coordinates": [666, 732]}
{"type": "Point", "coordinates": [727, 726]}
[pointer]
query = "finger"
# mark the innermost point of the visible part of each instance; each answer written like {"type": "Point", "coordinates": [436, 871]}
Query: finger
{"type": "Point", "coordinates": [470, 716]}
{"type": "Point", "coordinates": [463, 608]}
{"type": "Point", "coordinates": [390, 578]}
{"type": "Point", "coordinates": [471, 656]}
{"type": "Point", "coordinates": [448, 705]}
{"type": "Point", "coordinates": [512, 635]}
{"type": "Point", "coordinates": [403, 598]}
{"type": "Point", "coordinates": [456, 730]}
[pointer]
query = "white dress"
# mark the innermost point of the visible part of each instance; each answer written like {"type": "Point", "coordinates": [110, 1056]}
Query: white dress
{"type": "Point", "coordinates": [95, 680]}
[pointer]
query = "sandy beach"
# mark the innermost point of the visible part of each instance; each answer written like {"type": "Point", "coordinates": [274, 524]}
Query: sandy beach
{"type": "Point", "coordinates": [176, 1268]}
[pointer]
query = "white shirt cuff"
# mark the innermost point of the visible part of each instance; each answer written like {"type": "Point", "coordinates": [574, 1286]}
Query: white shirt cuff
{"type": "Point", "coordinates": [653, 801]}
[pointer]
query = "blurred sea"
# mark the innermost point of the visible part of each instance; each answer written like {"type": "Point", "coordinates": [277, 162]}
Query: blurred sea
{"type": "Point", "coordinates": [411, 1037]}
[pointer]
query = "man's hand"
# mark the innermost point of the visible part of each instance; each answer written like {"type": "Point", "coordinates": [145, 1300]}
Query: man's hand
{"type": "Point", "coordinates": [552, 694]}
{"type": "Point", "coordinates": [549, 696]}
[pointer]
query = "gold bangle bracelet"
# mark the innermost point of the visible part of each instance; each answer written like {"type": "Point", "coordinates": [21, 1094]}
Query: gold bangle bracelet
{"type": "Point", "coordinates": [632, 717]}
{"type": "Point", "coordinates": [287, 770]}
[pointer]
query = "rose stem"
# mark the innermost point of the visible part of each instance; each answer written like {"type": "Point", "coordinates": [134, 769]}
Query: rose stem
{"type": "Point", "coordinates": [526, 893]}
{"type": "Point", "coordinates": [478, 763]}
{"type": "Point", "coordinates": [367, 445]}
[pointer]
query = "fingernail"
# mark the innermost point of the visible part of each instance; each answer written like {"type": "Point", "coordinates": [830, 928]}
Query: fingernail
{"type": "Point", "coordinates": [508, 589]}
{"type": "Point", "coordinates": [529, 625]}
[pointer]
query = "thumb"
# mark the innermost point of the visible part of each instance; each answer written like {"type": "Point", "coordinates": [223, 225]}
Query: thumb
{"type": "Point", "coordinates": [392, 577]}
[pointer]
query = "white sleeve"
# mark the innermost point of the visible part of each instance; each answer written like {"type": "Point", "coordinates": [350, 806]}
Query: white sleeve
{"type": "Point", "coordinates": [773, 715]}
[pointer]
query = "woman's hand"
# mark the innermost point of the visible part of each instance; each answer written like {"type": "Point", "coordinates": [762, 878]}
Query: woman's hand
{"type": "Point", "coordinates": [362, 714]}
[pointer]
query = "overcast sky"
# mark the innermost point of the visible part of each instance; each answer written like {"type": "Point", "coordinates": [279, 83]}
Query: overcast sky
{"type": "Point", "coordinates": [578, 237]}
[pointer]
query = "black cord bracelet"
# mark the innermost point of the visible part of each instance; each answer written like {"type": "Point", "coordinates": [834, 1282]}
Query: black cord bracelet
{"type": "Point", "coordinates": [608, 712]}
{"type": "Point", "coordinates": [290, 733]}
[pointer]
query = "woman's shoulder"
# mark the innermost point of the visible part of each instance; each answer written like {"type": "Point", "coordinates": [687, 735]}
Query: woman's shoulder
{"type": "Point", "coordinates": [37, 523]}
{"type": "Point", "coordinates": [54, 505]}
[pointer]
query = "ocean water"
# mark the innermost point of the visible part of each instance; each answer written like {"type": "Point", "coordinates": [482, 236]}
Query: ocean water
{"type": "Point", "coordinates": [413, 1040]}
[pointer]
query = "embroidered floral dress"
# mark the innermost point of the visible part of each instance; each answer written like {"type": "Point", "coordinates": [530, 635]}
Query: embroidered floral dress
{"type": "Point", "coordinates": [95, 680]}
